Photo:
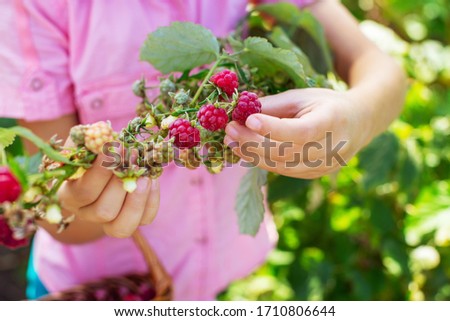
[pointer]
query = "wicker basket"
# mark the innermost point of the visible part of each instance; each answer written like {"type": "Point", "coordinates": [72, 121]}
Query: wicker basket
{"type": "Point", "coordinates": [155, 285]}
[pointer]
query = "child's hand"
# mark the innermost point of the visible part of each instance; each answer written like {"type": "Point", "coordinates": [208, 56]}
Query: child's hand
{"type": "Point", "coordinates": [98, 197]}
{"type": "Point", "coordinates": [301, 119]}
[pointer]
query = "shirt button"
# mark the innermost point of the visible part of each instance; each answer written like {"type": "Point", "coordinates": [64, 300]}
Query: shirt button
{"type": "Point", "coordinates": [203, 239]}
{"type": "Point", "coordinates": [36, 84]}
{"type": "Point", "coordinates": [97, 103]}
{"type": "Point", "coordinates": [197, 180]}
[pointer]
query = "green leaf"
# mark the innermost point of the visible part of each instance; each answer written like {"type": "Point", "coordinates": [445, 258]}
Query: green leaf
{"type": "Point", "coordinates": [43, 146]}
{"type": "Point", "coordinates": [249, 201]}
{"type": "Point", "coordinates": [291, 15]}
{"type": "Point", "coordinates": [280, 39]}
{"type": "Point", "coordinates": [7, 137]}
{"type": "Point", "coordinates": [179, 47]}
{"type": "Point", "coordinates": [15, 165]}
{"type": "Point", "coordinates": [33, 163]}
{"type": "Point", "coordinates": [378, 159]}
{"type": "Point", "coordinates": [258, 52]}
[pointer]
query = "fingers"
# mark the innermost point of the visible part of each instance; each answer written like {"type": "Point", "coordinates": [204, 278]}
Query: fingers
{"type": "Point", "coordinates": [256, 145]}
{"type": "Point", "coordinates": [87, 189]}
{"type": "Point", "coordinates": [132, 211]}
{"type": "Point", "coordinates": [152, 205]}
{"type": "Point", "coordinates": [283, 105]}
{"type": "Point", "coordinates": [307, 128]}
{"type": "Point", "coordinates": [107, 206]}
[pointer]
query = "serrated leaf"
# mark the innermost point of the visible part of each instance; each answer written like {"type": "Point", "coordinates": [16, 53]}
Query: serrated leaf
{"type": "Point", "coordinates": [291, 15]}
{"type": "Point", "coordinates": [7, 137]}
{"type": "Point", "coordinates": [250, 201]}
{"type": "Point", "coordinates": [258, 52]}
{"type": "Point", "coordinates": [179, 47]}
{"type": "Point", "coordinates": [43, 146]}
{"type": "Point", "coordinates": [280, 39]}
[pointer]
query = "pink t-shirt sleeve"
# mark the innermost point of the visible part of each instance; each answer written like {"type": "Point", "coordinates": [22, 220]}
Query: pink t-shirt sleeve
{"type": "Point", "coordinates": [34, 71]}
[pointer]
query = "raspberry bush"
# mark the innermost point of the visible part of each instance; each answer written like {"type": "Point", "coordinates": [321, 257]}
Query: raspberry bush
{"type": "Point", "coordinates": [184, 123]}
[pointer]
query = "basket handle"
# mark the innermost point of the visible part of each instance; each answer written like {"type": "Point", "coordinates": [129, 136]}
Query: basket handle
{"type": "Point", "coordinates": [157, 273]}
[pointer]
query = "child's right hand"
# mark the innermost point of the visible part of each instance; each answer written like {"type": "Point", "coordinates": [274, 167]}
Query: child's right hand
{"type": "Point", "coordinates": [98, 197]}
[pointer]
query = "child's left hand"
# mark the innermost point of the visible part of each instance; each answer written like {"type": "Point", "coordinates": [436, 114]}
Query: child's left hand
{"type": "Point", "coordinates": [298, 122]}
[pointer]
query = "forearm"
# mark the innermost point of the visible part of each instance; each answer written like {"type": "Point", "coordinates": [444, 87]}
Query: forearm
{"type": "Point", "coordinates": [377, 83]}
{"type": "Point", "coordinates": [378, 86]}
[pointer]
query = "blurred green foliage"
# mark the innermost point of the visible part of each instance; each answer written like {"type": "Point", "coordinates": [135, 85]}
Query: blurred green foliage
{"type": "Point", "coordinates": [380, 228]}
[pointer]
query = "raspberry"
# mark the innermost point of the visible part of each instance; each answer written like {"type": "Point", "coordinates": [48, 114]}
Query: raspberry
{"type": "Point", "coordinates": [212, 118]}
{"type": "Point", "coordinates": [186, 135]}
{"type": "Point", "coordinates": [247, 105]}
{"type": "Point", "coordinates": [96, 135]}
{"type": "Point", "coordinates": [7, 236]}
{"type": "Point", "coordinates": [9, 186]}
{"type": "Point", "coordinates": [226, 80]}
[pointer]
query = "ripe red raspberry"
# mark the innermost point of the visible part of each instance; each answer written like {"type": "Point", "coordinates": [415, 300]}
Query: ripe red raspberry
{"type": "Point", "coordinates": [9, 186]}
{"type": "Point", "coordinates": [186, 136]}
{"type": "Point", "coordinates": [226, 80]}
{"type": "Point", "coordinates": [96, 135]}
{"type": "Point", "coordinates": [247, 104]}
{"type": "Point", "coordinates": [6, 236]}
{"type": "Point", "coordinates": [212, 118]}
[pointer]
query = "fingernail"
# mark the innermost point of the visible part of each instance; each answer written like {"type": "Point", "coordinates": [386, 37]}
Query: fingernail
{"type": "Point", "coordinates": [142, 184]}
{"type": "Point", "coordinates": [231, 131]}
{"type": "Point", "coordinates": [253, 123]}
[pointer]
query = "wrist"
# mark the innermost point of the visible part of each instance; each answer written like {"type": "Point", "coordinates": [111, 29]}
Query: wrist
{"type": "Point", "coordinates": [364, 110]}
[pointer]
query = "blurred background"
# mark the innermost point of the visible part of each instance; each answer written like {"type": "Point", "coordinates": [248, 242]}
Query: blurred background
{"type": "Point", "coordinates": [380, 228]}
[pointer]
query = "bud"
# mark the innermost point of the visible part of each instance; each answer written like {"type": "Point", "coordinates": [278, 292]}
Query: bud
{"type": "Point", "coordinates": [187, 158]}
{"type": "Point", "coordinates": [229, 156]}
{"type": "Point", "coordinates": [53, 214]}
{"type": "Point", "coordinates": [77, 134]}
{"type": "Point", "coordinates": [78, 174]}
{"type": "Point", "coordinates": [166, 86]}
{"type": "Point", "coordinates": [166, 122]}
{"type": "Point", "coordinates": [141, 109]}
{"type": "Point", "coordinates": [215, 166]}
{"type": "Point", "coordinates": [129, 184]}
{"type": "Point", "coordinates": [155, 171]}
{"type": "Point", "coordinates": [32, 195]}
{"type": "Point", "coordinates": [139, 88]}
{"type": "Point", "coordinates": [150, 121]}
{"type": "Point", "coordinates": [182, 97]}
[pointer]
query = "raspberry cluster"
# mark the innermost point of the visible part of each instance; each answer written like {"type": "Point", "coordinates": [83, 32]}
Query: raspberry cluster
{"type": "Point", "coordinates": [173, 127]}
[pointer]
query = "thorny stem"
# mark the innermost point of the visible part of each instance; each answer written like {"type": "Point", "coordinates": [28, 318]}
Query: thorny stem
{"type": "Point", "coordinates": [3, 159]}
{"type": "Point", "coordinates": [179, 112]}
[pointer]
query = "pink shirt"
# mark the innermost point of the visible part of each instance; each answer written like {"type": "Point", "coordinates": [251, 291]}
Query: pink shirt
{"type": "Point", "coordinates": [59, 57]}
